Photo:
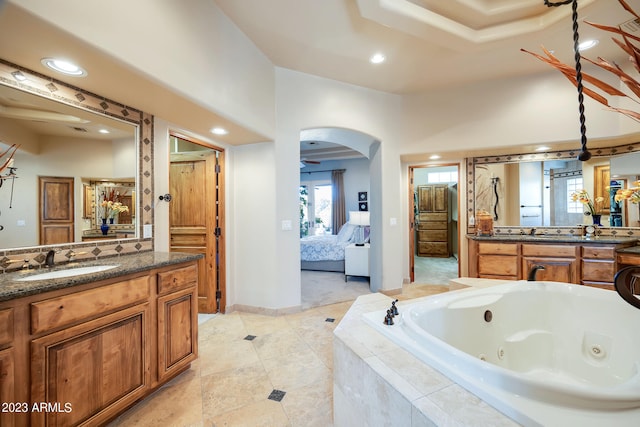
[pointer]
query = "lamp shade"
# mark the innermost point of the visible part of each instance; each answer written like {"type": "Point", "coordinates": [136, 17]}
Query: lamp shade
{"type": "Point", "coordinates": [360, 218]}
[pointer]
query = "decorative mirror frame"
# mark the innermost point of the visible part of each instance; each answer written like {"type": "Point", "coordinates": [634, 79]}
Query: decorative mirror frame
{"type": "Point", "coordinates": [64, 93]}
{"type": "Point", "coordinates": [545, 156]}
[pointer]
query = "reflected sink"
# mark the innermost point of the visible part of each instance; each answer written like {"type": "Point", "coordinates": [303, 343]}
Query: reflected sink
{"type": "Point", "coordinates": [69, 272]}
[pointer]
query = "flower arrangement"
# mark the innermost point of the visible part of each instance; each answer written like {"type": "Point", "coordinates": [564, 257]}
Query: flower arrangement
{"type": "Point", "coordinates": [111, 206]}
{"type": "Point", "coordinates": [593, 206]}
{"type": "Point", "coordinates": [632, 194]}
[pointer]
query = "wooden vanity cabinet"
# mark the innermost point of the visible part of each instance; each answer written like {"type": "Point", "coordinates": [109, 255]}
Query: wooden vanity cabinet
{"type": "Point", "coordinates": [177, 320]}
{"type": "Point", "coordinates": [560, 262]}
{"type": "Point", "coordinates": [581, 263]}
{"type": "Point", "coordinates": [598, 266]}
{"type": "Point", "coordinates": [92, 370]}
{"type": "Point", "coordinates": [90, 351]}
{"type": "Point", "coordinates": [498, 260]}
{"type": "Point", "coordinates": [7, 366]}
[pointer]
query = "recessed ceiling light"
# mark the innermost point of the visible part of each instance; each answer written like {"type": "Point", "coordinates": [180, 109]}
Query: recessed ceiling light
{"type": "Point", "coordinates": [103, 131]}
{"type": "Point", "coordinates": [219, 131]}
{"type": "Point", "coordinates": [377, 58]}
{"type": "Point", "coordinates": [64, 67]}
{"type": "Point", "coordinates": [543, 148]}
{"type": "Point", "coordinates": [587, 44]}
{"type": "Point", "coordinates": [434, 157]}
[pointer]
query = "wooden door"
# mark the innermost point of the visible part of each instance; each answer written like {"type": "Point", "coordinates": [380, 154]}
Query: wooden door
{"type": "Point", "coordinates": [194, 220]}
{"type": "Point", "coordinates": [56, 210]}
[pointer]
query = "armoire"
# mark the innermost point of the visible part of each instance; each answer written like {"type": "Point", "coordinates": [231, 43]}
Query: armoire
{"type": "Point", "coordinates": [433, 220]}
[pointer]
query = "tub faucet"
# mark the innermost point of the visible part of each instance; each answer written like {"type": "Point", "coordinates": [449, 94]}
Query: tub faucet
{"type": "Point", "coordinates": [533, 271]}
{"type": "Point", "coordinates": [50, 259]}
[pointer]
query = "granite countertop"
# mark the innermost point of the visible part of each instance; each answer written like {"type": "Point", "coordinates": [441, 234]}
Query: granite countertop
{"type": "Point", "coordinates": [10, 288]}
{"type": "Point", "coordinates": [553, 238]}
{"type": "Point", "coordinates": [630, 250]}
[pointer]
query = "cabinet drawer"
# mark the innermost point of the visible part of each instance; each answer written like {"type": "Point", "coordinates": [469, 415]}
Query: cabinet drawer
{"type": "Point", "coordinates": [628, 259]}
{"type": "Point", "coordinates": [432, 216]}
{"type": "Point", "coordinates": [432, 235]}
{"type": "Point", "coordinates": [433, 225]}
{"type": "Point", "coordinates": [549, 250]}
{"type": "Point", "coordinates": [6, 326]}
{"type": "Point", "coordinates": [179, 278]}
{"type": "Point", "coordinates": [598, 271]}
{"type": "Point", "coordinates": [68, 309]}
{"type": "Point", "coordinates": [498, 248]}
{"type": "Point", "coordinates": [598, 253]}
{"type": "Point", "coordinates": [498, 265]}
{"type": "Point", "coordinates": [433, 248]}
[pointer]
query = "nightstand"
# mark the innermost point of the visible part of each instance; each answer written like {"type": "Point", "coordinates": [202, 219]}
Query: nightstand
{"type": "Point", "coordinates": [356, 261]}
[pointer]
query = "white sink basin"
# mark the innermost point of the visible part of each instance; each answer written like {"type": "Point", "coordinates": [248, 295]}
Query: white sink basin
{"type": "Point", "coordinates": [69, 272]}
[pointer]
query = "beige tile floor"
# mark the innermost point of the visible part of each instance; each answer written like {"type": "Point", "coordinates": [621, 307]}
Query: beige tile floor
{"type": "Point", "coordinates": [230, 383]}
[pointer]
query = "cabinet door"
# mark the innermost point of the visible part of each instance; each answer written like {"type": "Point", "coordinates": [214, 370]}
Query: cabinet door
{"type": "Point", "coordinates": [7, 390]}
{"type": "Point", "coordinates": [556, 269]}
{"type": "Point", "coordinates": [433, 198]}
{"type": "Point", "coordinates": [440, 198]}
{"type": "Point", "coordinates": [99, 367]}
{"type": "Point", "coordinates": [177, 332]}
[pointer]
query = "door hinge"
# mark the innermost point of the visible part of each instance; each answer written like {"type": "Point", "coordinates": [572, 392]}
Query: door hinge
{"type": "Point", "coordinates": [218, 294]}
{"type": "Point", "coordinates": [217, 231]}
{"type": "Point", "coordinates": [217, 168]}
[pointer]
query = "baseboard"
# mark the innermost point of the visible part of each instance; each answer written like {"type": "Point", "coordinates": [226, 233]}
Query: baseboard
{"type": "Point", "coordinates": [263, 310]}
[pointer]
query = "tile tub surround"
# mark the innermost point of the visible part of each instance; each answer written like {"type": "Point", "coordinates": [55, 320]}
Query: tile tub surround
{"type": "Point", "coordinates": [134, 263]}
{"type": "Point", "coordinates": [377, 382]}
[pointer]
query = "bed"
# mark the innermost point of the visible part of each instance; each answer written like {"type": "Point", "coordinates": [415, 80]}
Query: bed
{"type": "Point", "coordinates": [326, 252]}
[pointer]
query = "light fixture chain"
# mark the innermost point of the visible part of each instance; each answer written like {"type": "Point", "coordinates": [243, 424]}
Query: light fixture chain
{"type": "Point", "coordinates": [584, 151]}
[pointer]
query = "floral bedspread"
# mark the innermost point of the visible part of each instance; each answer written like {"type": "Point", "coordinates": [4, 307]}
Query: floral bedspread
{"type": "Point", "coordinates": [322, 248]}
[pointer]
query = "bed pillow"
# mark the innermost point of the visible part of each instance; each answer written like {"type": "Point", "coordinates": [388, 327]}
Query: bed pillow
{"type": "Point", "coordinates": [346, 233]}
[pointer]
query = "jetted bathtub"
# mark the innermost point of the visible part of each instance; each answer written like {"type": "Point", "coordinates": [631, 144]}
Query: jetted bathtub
{"type": "Point", "coordinates": [529, 347]}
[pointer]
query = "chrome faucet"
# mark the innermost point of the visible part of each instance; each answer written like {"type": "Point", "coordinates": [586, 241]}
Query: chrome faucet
{"type": "Point", "coordinates": [534, 271]}
{"type": "Point", "coordinates": [532, 232]}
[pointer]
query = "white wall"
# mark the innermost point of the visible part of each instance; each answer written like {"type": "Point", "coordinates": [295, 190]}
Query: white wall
{"type": "Point", "coordinates": [188, 45]}
{"type": "Point", "coordinates": [305, 102]}
{"type": "Point", "coordinates": [497, 114]}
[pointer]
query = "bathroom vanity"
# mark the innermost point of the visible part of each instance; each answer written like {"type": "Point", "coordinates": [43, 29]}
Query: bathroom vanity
{"type": "Point", "coordinates": [565, 258]}
{"type": "Point", "coordinates": [79, 350]}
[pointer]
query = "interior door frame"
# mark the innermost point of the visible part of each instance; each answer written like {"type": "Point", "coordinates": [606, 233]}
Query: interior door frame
{"type": "Point", "coordinates": [411, 218]}
{"type": "Point", "coordinates": [219, 238]}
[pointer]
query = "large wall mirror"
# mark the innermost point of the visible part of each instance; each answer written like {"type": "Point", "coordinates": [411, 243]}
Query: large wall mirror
{"type": "Point", "coordinates": [534, 190]}
{"type": "Point", "coordinates": [76, 152]}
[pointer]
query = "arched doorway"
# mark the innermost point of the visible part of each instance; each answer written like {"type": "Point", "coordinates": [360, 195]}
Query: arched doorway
{"type": "Point", "coordinates": [324, 153]}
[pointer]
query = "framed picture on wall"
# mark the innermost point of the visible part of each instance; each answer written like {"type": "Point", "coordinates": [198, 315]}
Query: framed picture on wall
{"type": "Point", "coordinates": [363, 206]}
{"type": "Point", "coordinates": [362, 196]}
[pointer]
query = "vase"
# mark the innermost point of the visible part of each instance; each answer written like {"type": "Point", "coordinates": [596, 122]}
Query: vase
{"type": "Point", "coordinates": [110, 220]}
{"type": "Point", "coordinates": [596, 220]}
{"type": "Point", "coordinates": [104, 227]}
